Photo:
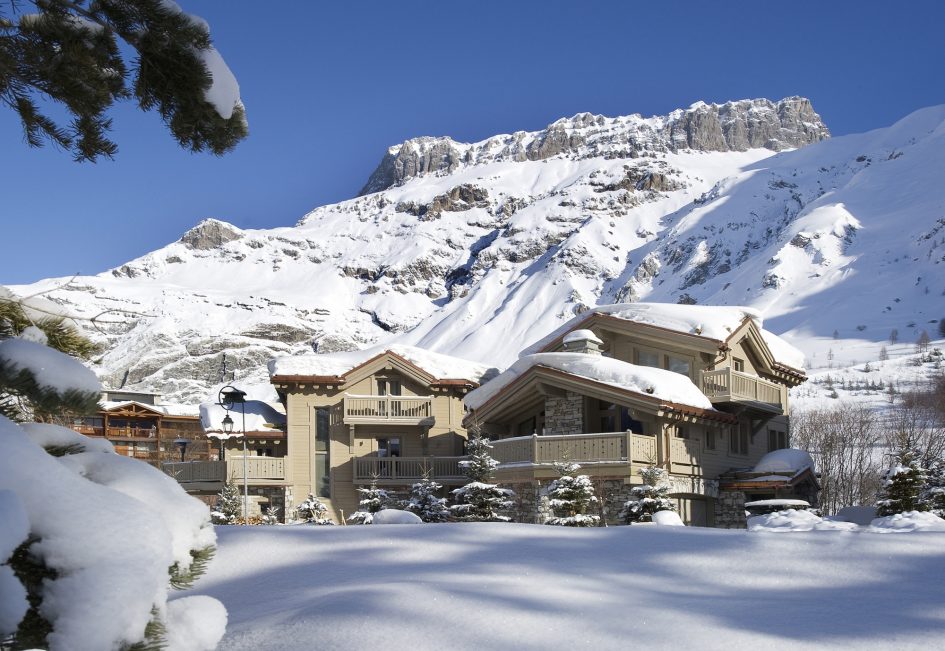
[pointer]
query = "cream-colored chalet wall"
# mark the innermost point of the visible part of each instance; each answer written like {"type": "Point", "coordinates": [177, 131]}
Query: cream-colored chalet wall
{"type": "Point", "coordinates": [739, 352]}
{"type": "Point", "coordinates": [367, 386]}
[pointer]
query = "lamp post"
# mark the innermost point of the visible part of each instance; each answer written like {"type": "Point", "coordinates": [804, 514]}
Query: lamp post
{"type": "Point", "coordinates": [181, 444]}
{"type": "Point", "coordinates": [229, 396]}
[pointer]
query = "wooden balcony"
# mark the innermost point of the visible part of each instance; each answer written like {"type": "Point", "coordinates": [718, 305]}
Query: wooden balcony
{"type": "Point", "coordinates": [402, 470]}
{"type": "Point", "coordinates": [615, 447]}
{"type": "Point", "coordinates": [399, 410]}
{"type": "Point", "coordinates": [259, 470]}
{"type": "Point", "coordinates": [728, 385]}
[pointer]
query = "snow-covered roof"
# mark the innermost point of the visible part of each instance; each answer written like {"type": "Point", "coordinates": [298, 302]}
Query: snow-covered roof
{"type": "Point", "coordinates": [167, 410]}
{"type": "Point", "coordinates": [260, 417]}
{"type": "Point", "coordinates": [787, 461]}
{"type": "Point", "coordinates": [715, 322]}
{"type": "Point", "coordinates": [438, 365]}
{"type": "Point", "coordinates": [782, 351]}
{"type": "Point", "coordinates": [655, 382]}
{"type": "Point", "coordinates": [779, 502]}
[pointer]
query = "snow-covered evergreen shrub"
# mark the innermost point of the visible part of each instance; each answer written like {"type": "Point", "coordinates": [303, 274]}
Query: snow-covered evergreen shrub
{"type": "Point", "coordinates": [271, 516]}
{"type": "Point", "coordinates": [570, 496]}
{"type": "Point", "coordinates": [902, 486]}
{"type": "Point", "coordinates": [228, 508]}
{"type": "Point", "coordinates": [651, 497]}
{"type": "Point", "coordinates": [480, 500]}
{"type": "Point", "coordinates": [313, 511]}
{"type": "Point", "coordinates": [425, 502]}
{"type": "Point", "coordinates": [933, 493]}
{"type": "Point", "coordinates": [91, 542]}
{"type": "Point", "coordinates": [373, 499]}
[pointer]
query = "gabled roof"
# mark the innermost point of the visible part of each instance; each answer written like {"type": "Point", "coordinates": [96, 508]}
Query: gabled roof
{"type": "Point", "coordinates": [339, 368]}
{"type": "Point", "coordinates": [714, 325]}
{"type": "Point", "coordinates": [650, 385]}
{"type": "Point", "coordinates": [177, 411]}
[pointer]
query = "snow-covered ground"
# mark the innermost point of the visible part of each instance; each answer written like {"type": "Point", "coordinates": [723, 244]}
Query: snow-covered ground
{"type": "Point", "coordinates": [513, 586]}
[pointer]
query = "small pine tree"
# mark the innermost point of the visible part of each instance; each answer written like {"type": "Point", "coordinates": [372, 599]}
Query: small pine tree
{"type": "Point", "coordinates": [883, 354]}
{"type": "Point", "coordinates": [933, 493]}
{"type": "Point", "coordinates": [229, 505]}
{"type": "Point", "coordinates": [313, 511]}
{"type": "Point", "coordinates": [480, 500]}
{"type": "Point", "coordinates": [571, 496]}
{"type": "Point", "coordinates": [651, 497]}
{"type": "Point", "coordinates": [373, 499]}
{"type": "Point", "coordinates": [922, 343]}
{"type": "Point", "coordinates": [425, 502]}
{"type": "Point", "coordinates": [902, 486]}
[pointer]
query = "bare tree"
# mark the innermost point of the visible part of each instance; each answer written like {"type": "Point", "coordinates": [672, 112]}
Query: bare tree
{"type": "Point", "coordinates": [918, 423]}
{"type": "Point", "coordinates": [844, 441]}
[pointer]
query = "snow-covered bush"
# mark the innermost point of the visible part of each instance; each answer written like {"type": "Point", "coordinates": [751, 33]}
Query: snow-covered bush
{"type": "Point", "coordinates": [902, 486]}
{"type": "Point", "coordinates": [313, 511]}
{"type": "Point", "coordinates": [395, 516]}
{"type": "Point", "coordinates": [480, 500]}
{"type": "Point", "coordinates": [373, 499]}
{"type": "Point", "coordinates": [425, 502]}
{"type": "Point", "coordinates": [271, 516]}
{"type": "Point", "coordinates": [650, 498]}
{"type": "Point", "coordinates": [570, 496]}
{"type": "Point", "coordinates": [796, 520]}
{"type": "Point", "coordinates": [907, 522]}
{"type": "Point", "coordinates": [228, 508]}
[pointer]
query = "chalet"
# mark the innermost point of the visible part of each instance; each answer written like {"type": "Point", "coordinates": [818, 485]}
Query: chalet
{"type": "Point", "coordinates": [390, 416]}
{"type": "Point", "coordinates": [700, 391]}
{"type": "Point", "coordinates": [140, 425]}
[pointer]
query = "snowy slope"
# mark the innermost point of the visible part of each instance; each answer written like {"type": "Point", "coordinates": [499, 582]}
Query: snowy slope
{"type": "Point", "coordinates": [479, 250]}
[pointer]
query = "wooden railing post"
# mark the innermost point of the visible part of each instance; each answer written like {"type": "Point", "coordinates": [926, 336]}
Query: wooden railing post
{"type": "Point", "coordinates": [534, 448]}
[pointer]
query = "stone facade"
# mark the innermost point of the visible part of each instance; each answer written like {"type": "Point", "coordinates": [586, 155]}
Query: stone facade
{"type": "Point", "coordinates": [730, 510]}
{"type": "Point", "coordinates": [564, 415]}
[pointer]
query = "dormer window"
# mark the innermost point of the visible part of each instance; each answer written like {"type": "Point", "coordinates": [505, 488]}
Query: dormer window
{"type": "Point", "coordinates": [388, 387]}
{"type": "Point", "coordinates": [678, 365]}
{"type": "Point", "coordinates": [647, 358]}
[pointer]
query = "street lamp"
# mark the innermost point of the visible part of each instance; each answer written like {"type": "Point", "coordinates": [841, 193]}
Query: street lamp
{"type": "Point", "coordinates": [181, 444]}
{"type": "Point", "coordinates": [230, 396]}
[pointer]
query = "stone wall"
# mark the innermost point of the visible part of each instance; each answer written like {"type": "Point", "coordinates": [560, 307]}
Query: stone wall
{"type": "Point", "coordinates": [564, 415]}
{"type": "Point", "coordinates": [730, 510]}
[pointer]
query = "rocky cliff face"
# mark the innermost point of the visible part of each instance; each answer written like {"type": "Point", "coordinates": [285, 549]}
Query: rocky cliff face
{"type": "Point", "coordinates": [480, 261]}
{"type": "Point", "coordinates": [733, 126]}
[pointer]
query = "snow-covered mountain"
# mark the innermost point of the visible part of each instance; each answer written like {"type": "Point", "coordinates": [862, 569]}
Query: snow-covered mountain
{"type": "Point", "coordinates": [477, 250]}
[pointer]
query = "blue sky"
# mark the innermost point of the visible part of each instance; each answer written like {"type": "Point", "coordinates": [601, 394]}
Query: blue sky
{"type": "Point", "coordinates": [328, 87]}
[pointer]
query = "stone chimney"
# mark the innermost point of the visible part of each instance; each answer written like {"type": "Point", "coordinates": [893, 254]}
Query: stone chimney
{"type": "Point", "coordinates": [582, 341]}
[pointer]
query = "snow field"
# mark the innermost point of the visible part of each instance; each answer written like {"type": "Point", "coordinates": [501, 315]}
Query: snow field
{"type": "Point", "coordinates": [513, 586]}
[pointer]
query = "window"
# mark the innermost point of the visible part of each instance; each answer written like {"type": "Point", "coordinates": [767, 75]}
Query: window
{"type": "Point", "coordinates": [739, 364]}
{"type": "Point", "coordinates": [680, 432]}
{"type": "Point", "coordinates": [776, 440]}
{"type": "Point", "coordinates": [677, 365]}
{"type": "Point", "coordinates": [711, 435]}
{"type": "Point", "coordinates": [388, 447]}
{"type": "Point", "coordinates": [263, 452]}
{"type": "Point", "coordinates": [739, 439]}
{"type": "Point", "coordinates": [322, 452]}
{"type": "Point", "coordinates": [608, 413]}
{"type": "Point", "coordinates": [387, 387]}
{"type": "Point", "coordinates": [647, 358]}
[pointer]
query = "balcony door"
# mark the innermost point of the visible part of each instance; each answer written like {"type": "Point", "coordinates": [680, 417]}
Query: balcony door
{"type": "Point", "coordinates": [388, 387]}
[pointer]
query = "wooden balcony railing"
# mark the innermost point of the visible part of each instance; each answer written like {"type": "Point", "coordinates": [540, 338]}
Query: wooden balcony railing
{"type": "Point", "coordinates": [409, 410]}
{"type": "Point", "coordinates": [408, 469]}
{"type": "Point", "coordinates": [728, 385]}
{"type": "Point", "coordinates": [610, 446]}
{"type": "Point", "coordinates": [257, 469]}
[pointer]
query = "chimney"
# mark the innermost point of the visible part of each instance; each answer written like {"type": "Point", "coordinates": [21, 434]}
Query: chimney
{"type": "Point", "coordinates": [582, 341]}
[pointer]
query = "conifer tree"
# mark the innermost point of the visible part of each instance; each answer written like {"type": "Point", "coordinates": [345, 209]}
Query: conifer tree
{"type": "Point", "coordinates": [571, 495]}
{"type": "Point", "coordinates": [480, 500]}
{"type": "Point", "coordinates": [902, 486]}
{"type": "Point", "coordinates": [425, 502]}
{"type": "Point", "coordinates": [651, 497]}
{"type": "Point", "coordinates": [373, 499]}
{"type": "Point", "coordinates": [933, 493]}
{"type": "Point", "coordinates": [71, 52]}
{"type": "Point", "coordinates": [313, 511]}
{"type": "Point", "coordinates": [229, 505]}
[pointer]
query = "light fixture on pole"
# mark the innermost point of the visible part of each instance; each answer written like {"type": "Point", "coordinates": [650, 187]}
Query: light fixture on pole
{"type": "Point", "coordinates": [229, 396]}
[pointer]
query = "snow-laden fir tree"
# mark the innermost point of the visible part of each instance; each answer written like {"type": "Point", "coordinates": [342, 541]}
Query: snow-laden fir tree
{"type": "Point", "coordinates": [570, 496]}
{"type": "Point", "coordinates": [71, 505]}
{"type": "Point", "coordinates": [228, 508]}
{"type": "Point", "coordinates": [480, 500]}
{"type": "Point", "coordinates": [425, 502]}
{"type": "Point", "coordinates": [313, 511]}
{"type": "Point", "coordinates": [933, 493]}
{"type": "Point", "coordinates": [373, 499]}
{"type": "Point", "coordinates": [649, 498]}
{"type": "Point", "coordinates": [902, 486]}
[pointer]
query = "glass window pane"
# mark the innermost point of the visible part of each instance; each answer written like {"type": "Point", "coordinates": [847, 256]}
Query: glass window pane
{"type": "Point", "coordinates": [322, 476]}
{"type": "Point", "coordinates": [677, 365]}
{"type": "Point", "coordinates": [322, 429]}
{"type": "Point", "coordinates": [647, 358]}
